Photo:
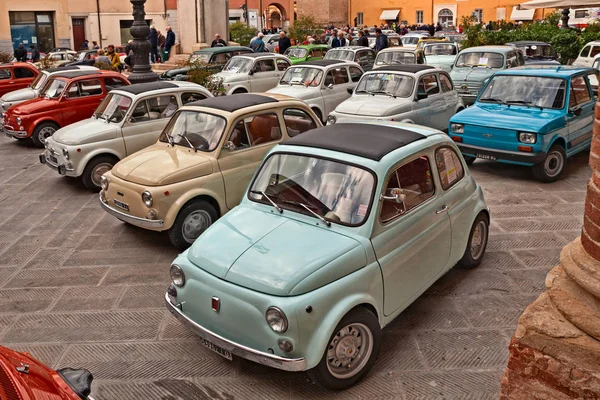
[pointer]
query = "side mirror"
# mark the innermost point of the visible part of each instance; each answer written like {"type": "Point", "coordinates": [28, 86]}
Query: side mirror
{"type": "Point", "coordinates": [350, 90]}
{"type": "Point", "coordinates": [421, 95]}
{"type": "Point", "coordinates": [576, 110]}
{"type": "Point", "coordinates": [330, 86]}
{"type": "Point", "coordinates": [251, 72]}
{"type": "Point", "coordinates": [229, 146]}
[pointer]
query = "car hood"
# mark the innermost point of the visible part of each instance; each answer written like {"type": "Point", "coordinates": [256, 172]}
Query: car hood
{"type": "Point", "coordinates": [37, 105]}
{"type": "Point", "coordinates": [514, 117]}
{"type": "Point", "coordinates": [228, 76]}
{"type": "Point", "coordinates": [172, 73]}
{"type": "Point", "coordinates": [19, 95]}
{"type": "Point", "coordinates": [274, 254]}
{"type": "Point", "coordinates": [298, 91]}
{"type": "Point", "coordinates": [161, 164]}
{"type": "Point", "coordinates": [470, 74]}
{"type": "Point", "coordinates": [440, 60]}
{"type": "Point", "coordinates": [87, 131]}
{"type": "Point", "coordinates": [374, 106]}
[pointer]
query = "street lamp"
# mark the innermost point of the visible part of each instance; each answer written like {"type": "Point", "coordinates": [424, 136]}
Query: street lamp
{"type": "Point", "coordinates": [142, 72]}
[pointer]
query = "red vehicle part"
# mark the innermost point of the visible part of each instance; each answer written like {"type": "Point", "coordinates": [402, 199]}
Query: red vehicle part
{"type": "Point", "coordinates": [17, 75]}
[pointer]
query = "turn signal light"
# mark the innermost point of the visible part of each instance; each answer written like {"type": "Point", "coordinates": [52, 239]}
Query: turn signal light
{"type": "Point", "coordinates": [457, 139]}
{"type": "Point", "coordinates": [527, 149]}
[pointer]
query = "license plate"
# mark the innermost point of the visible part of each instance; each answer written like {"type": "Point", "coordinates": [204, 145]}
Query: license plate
{"type": "Point", "coordinates": [53, 159]}
{"type": "Point", "coordinates": [216, 349]}
{"type": "Point", "coordinates": [486, 157]}
{"type": "Point", "coordinates": [121, 205]}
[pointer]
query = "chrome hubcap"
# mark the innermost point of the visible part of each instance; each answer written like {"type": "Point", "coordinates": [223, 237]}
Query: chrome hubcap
{"type": "Point", "coordinates": [349, 351]}
{"type": "Point", "coordinates": [479, 240]}
{"type": "Point", "coordinates": [45, 133]}
{"type": "Point", "coordinates": [100, 170]}
{"type": "Point", "coordinates": [195, 223]}
{"type": "Point", "coordinates": [553, 164]}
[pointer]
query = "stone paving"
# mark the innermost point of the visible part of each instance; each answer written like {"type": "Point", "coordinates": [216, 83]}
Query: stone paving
{"type": "Point", "coordinates": [79, 288]}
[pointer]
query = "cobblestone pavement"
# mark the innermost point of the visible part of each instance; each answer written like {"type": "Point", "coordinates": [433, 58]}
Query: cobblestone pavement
{"type": "Point", "coordinates": [79, 288]}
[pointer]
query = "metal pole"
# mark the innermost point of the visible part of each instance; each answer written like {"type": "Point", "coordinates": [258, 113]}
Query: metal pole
{"type": "Point", "coordinates": [99, 24]}
{"type": "Point", "coordinates": [246, 14]}
{"type": "Point", "coordinates": [565, 18]}
{"type": "Point", "coordinates": [142, 72]}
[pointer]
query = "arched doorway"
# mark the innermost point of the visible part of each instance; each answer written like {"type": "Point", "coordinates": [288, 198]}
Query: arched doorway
{"type": "Point", "coordinates": [275, 16]}
{"type": "Point", "coordinates": [446, 17]}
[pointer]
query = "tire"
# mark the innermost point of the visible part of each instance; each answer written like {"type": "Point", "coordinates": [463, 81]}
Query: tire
{"type": "Point", "coordinates": [95, 168]}
{"type": "Point", "coordinates": [319, 115]}
{"type": "Point", "coordinates": [469, 160]}
{"type": "Point", "coordinates": [473, 257]}
{"type": "Point", "coordinates": [553, 165]}
{"type": "Point", "coordinates": [43, 131]}
{"type": "Point", "coordinates": [330, 370]}
{"type": "Point", "coordinates": [193, 219]}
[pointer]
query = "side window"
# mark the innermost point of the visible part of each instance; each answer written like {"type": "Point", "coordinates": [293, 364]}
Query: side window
{"type": "Point", "coordinates": [191, 96]}
{"type": "Point", "coordinates": [370, 56]}
{"type": "Point", "coordinates": [255, 130]}
{"type": "Point", "coordinates": [355, 74]}
{"type": "Point", "coordinates": [91, 87]}
{"type": "Point", "coordinates": [140, 112]}
{"type": "Point", "coordinates": [429, 85]}
{"type": "Point", "coordinates": [113, 83]}
{"type": "Point", "coordinates": [511, 60]}
{"type": "Point", "coordinates": [5, 74]}
{"type": "Point", "coordinates": [265, 66]}
{"type": "Point", "coordinates": [239, 137]}
{"type": "Point", "coordinates": [282, 65]}
{"type": "Point", "coordinates": [579, 91]}
{"type": "Point", "coordinates": [446, 83]}
{"type": "Point", "coordinates": [317, 53]}
{"type": "Point", "coordinates": [340, 76]}
{"type": "Point", "coordinates": [73, 91]}
{"type": "Point", "coordinates": [297, 121]}
{"type": "Point", "coordinates": [449, 167]}
{"type": "Point", "coordinates": [413, 183]}
{"type": "Point", "coordinates": [521, 58]}
{"type": "Point", "coordinates": [585, 52]}
{"type": "Point", "coordinates": [595, 51]}
{"type": "Point", "coordinates": [328, 79]}
{"type": "Point", "coordinates": [23, 73]}
{"type": "Point", "coordinates": [162, 107]}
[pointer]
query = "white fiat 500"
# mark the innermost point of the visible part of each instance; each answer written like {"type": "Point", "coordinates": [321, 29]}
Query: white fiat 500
{"type": "Point", "coordinates": [252, 72]}
{"type": "Point", "coordinates": [322, 84]}
{"type": "Point", "coordinates": [128, 119]}
{"type": "Point", "coordinates": [418, 94]}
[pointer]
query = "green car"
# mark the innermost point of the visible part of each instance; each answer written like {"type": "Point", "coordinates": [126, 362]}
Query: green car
{"type": "Point", "coordinates": [215, 59]}
{"type": "Point", "coordinates": [310, 52]}
{"type": "Point", "coordinates": [341, 229]}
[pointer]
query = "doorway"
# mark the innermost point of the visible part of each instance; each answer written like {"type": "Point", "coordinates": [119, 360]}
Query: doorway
{"type": "Point", "coordinates": [78, 32]}
{"type": "Point", "coordinates": [446, 17]}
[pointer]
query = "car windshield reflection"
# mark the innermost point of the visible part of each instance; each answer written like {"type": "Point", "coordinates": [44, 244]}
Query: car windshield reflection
{"type": "Point", "coordinates": [340, 55]}
{"type": "Point", "coordinates": [238, 65]}
{"type": "Point", "coordinates": [113, 108]}
{"type": "Point", "coordinates": [525, 90]}
{"type": "Point", "coordinates": [53, 89]}
{"type": "Point", "coordinates": [440, 50]}
{"type": "Point", "coordinates": [395, 85]}
{"type": "Point", "coordinates": [302, 76]}
{"type": "Point", "coordinates": [395, 58]}
{"type": "Point", "coordinates": [197, 130]}
{"type": "Point", "coordinates": [295, 52]}
{"type": "Point", "coordinates": [480, 59]}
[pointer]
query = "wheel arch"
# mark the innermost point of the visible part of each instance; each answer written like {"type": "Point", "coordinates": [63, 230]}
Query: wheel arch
{"type": "Point", "coordinates": [187, 198]}
{"type": "Point", "coordinates": [43, 120]}
{"type": "Point", "coordinates": [83, 163]}
{"type": "Point", "coordinates": [559, 140]}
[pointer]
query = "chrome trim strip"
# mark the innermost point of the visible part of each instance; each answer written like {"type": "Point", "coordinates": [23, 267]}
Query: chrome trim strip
{"type": "Point", "coordinates": [270, 360]}
{"type": "Point", "coordinates": [141, 222]}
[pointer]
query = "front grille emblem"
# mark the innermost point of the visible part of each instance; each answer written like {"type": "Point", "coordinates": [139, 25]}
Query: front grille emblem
{"type": "Point", "coordinates": [488, 135]}
{"type": "Point", "coordinates": [215, 304]}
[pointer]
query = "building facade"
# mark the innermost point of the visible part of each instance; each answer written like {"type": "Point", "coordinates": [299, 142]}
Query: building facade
{"type": "Point", "coordinates": [332, 12]}
{"type": "Point", "coordinates": [263, 13]}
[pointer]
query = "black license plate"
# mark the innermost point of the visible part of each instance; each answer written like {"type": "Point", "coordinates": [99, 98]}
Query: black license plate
{"type": "Point", "coordinates": [216, 349]}
{"type": "Point", "coordinates": [53, 159]}
{"type": "Point", "coordinates": [486, 157]}
{"type": "Point", "coordinates": [121, 205]}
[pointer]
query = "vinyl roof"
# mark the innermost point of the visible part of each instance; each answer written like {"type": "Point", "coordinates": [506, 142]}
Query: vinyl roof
{"type": "Point", "coordinates": [140, 88]}
{"type": "Point", "coordinates": [257, 55]}
{"type": "Point", "coordinates": [233, 102]}
{"type": "Point", "coordinates": [75, 73]}
{"type": "Point", "coordinates": [323, 63]}
{"type": "Point", "coordinates": [363, 140]}
{"type": "Point", "coordinates": [410, 68]}
{"type": "Point", "coordinates": [59, 69]}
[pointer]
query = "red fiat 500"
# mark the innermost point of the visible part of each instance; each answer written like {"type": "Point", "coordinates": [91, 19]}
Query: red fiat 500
{"type": "Point", "coordinates": [24, 377]}
{"type": "Point", "coordinates": [66, 98]}
{"type": "Point", "coordinates": [15, 76]}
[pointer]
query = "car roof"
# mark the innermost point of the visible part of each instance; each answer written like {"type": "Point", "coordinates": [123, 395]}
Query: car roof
{"type": "Point", "coordinates": [223, 49]}
{"type": "Point", "coordinates": [400, 49]}
{"type": "Point", "coordinates": [551, 71]}
{"type": "Point", "coordinates": [352, 138]}
{"type": "Point", "coordinates": [140, 88]}
{"type": "Point", "coordinates": [322, 63]}
{"type": "Point", "coordinates": [528, 43]}
{"type": "Point", "coordinates": [310, 46]}
{"type": "Point", "coordinates": [75, 73]}
{"type": "Point", "coordinates": [234, 103]}
{"type": "Point", "coordinates": [410, 68]}
{"type": "Point", "coordinates": [498, 48]}
{"type": "Point", "coordinates": [66, 68]}
{"type": "Point", "coordinates": [259, 55]}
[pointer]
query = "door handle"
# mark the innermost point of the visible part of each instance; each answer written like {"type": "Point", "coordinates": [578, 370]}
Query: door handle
{"type": "Point", "coordinates": [442, 210]}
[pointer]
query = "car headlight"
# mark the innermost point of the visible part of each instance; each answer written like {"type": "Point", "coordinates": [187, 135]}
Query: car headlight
{"type": "Point", "coordinates": [19, 121]}
{"type": "Point", "coordinates": [276, 319]}
{"type": "Point", "coordinates": [66, 153]}
{"type": "Point", "coordinates": [526, 137]}
{"type": "Point", "coordinates": [147, 198]}
{"type": "Point", "coordinates": [331, 119]}
{"type": "Point", "coordinates": [103, 182]}
{"type": "Point", "coordinates": [457, 128]}
{"type": "Point", "coordinates": [177, 275]}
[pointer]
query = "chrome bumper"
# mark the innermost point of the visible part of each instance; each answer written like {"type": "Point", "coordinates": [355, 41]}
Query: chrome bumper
{"type": "Point", "coordinates": [62, 169]}
{"type": "Point", "coordinates": [130, 219]}
{"type": "Point", "coordinates": [270, 360]}
{"type": "Point", "coordinates": [12, 133]}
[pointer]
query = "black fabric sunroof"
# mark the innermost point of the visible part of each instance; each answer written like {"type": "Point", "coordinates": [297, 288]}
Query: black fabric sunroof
{"type": "Point", "coordinates": [76, 73]}
{"type": "Point", "coordinates": [58, 69]}
{"type": "Point", "coordinates": [139, 88]}
{"type": "Point", "coordinates": [323, 63]}
{"type": "Point", "coordinates": [364, 140]}
{"type": "Point", "coordinates": [233, 102]}
{"type": "Point", "coordinates": [410, 68]}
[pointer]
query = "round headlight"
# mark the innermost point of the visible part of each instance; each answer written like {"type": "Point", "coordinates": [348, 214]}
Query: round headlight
{"type": "Point", "coordinates": [276, 319]}
{"type": "Point", "coordinates": [19, 121]}
{"type": "Point", "coordinates": [66, 153]}
{"type": "Point", "coordinates": [103, 182]}
{"type": "Point", "coordinates": [147, 198]}
{"type": "Point", "coordinates": [331, 119]}
{"type": "Point", "coordinates": [457, 128]}
{"type": "Point", "coordinates": [177, 275]}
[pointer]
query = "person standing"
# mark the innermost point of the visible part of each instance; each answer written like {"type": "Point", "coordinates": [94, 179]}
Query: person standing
{"type": "Point", "coordinates": [129, 55]}
{"type": "Point", "coordinates": [21, 53]}
{"type": "Point", "coordinates": [381, 41]}
{"type": "Point", "coordinates": [362, 39]}
{"type": "Point", "coordinates": [102, 58]}
{"type": "Point", "coordinates": [161, 44]}
{"type": "Point", "coordinates": [284, 42]}
{"type": "Point", "coordinates": [153, 39]}
{"type": "Point", "coordinates": [218, 42]}
{"type": "Point", "coordinates": [35, 53]}
{"type": "Point", "coordinates": [258, 45]}
{"type": "Point", "coordinates": [115, 60]}
{"type": "Point", "coordinates": [95, 45]}
{"type": "Point", "coordinates": [350, 41]}
{"type": "Point", "coordinates": [85, 45]}
{"type": "Point", "coordinates": [169, 42]}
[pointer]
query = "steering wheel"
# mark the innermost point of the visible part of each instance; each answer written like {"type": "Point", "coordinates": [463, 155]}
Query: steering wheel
{"type": "Point", "coordinates": [118, 116]}
{"type": "Point", "coordinates": [202, 142]}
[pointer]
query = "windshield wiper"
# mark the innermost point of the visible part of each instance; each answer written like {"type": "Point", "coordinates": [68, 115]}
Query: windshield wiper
{"type": "Point", "coordinates": [493, 100]}
{"type": "Point", "coordinates": [525, 103]}
{"type": "Point", "coordinates": [268, 198]}
{"type": "Point", "coordinates": [383, 92]}
{"type": "Point", "coordinates": [170, 140]}
{"type": "Point", "coordinates": [297, 203]}
{"type": "Point", "coordinates": [189, 143]}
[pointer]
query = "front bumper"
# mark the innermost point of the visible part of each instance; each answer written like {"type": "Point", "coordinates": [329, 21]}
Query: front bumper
{"type": "Point", "coordinates": [130, 219]}
{"type": "Point", "coordinates": [270, 360]}
{"type": "Point", "coordinates": [502, 155]}
{"type": "Point", "coordinates": [61, 168]}
{"type": "Point", "coordinates": [10, 132]}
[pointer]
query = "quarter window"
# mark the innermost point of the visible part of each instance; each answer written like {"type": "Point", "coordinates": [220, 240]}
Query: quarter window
{"type": "Point", "coordinates": [579, 91]}
{"type": "Point", "coordinates": [355, 74]}
{"type": "Point", "coordinates": [264, 66]}
{"type": "Point", "coordinates": [449, 167]}
{"type": "Point", "coordinates": [5, 74]}
{"type": "Point", "coordinates": [446, 83]}
{"type": "Point", "coordinates": [585, 52]}
{"type": "Point", "coordinates": [162, 107]}
{"type": "Point", "coordinates": [595, 51]}
{"type": "Point", "coordinates": [191, 96]}
{"type": "Point", "coordinates": [413, 182]}
{"type": "Point", "coordinates": [255, 130]}
{"type": "Point", "coordinates": [429, 85]}
{"type": "Point", "coordinates": [23, 73]}
{"type": "Point", "coordinates": [297, 121]}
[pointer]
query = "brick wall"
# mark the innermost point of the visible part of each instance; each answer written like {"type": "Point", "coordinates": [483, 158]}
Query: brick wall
{"type": "Point", "coordinates": [325, 11]}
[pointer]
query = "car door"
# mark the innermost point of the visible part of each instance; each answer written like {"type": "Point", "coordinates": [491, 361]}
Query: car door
{"type": "Point", "coordinates": [430, 109]}
{"type": "Point", "coordinates": [250, 139]}
{"type": "Point", "coordinates": [22, 77]}
{"type": "Point", "coordinates": [584, 57]}
{"type": "Point", "coordinates": [264, 75]}
{"type": "Point", "coordinates": [580, 114]}
{"type": "Point", "coordinates": [335, 88]}
{"type": "Point", "coordinates": [6, 77]}
{"type": "Point", "coordinates": [81, 99]}
{"type": "Point", "coordinates": [146, 121]}
{"type": "Point", "coordinates": [411, 235]}
{"type": "Point", "coordinates": [450, 96]}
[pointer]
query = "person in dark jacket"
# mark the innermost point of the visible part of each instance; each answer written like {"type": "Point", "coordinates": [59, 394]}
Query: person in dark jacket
{"type": "Point", "coordinates": [21, 53]}
{"type": "Point", "coordinates": [284, 42]}
{"type": "Point", "coordinates": [218, 42]}
{"type": "Point", "coordinates": [35, 53]}
{"type": "Point", "coordinates": [381, 42]}
{"type": "Point", "coordinates": [153, 39]}
{"type": "Point", "coordinates": [169, 42]}
{"type": "Point", "coordinates": [362, 39]}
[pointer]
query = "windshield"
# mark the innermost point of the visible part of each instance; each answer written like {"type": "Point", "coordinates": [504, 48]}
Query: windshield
{"type": "Point", "coordinates": [453, 38]}
{"type": "Point", "coordinates": [80, 56]}
{"type": "Point", "coordinates": [338, 192]}
{"type": "Point", "coordinates": [238, 65]}
{"type": "Point", "coordinates": [480, 59]}
{"type": "Point", "coordinates": [295, 52]}
{"type": "Point", "coordinates": [201, 58]}
{"type": "Point", "coordinates": [302, 76]}
{"type": "Point", "coordinates": [53, 88]}
{"type": "Point", "coordinates": [525, 90]}
{"type": "Point", "coordinates": [113, 108]}
{"type": "Point", "coordinates": [339, 55]}
{"type": "Point", "coordinates": [383, 83]}
{"type": "Point", "coordinates": [195, 129]}
{"type": "Point", "coordinates": [39, 81]}
{"type": "Point", "coordinates": [410, 40]}
{"type": "Point", "coordinates": [395, 57]}
{"type": "Point", "coordinates": [440, 50]}
{"type": "Point", "coordinates": [537, 51]}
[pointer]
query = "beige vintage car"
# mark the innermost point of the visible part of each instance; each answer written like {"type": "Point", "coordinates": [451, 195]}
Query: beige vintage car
{"type": "Point", "coordinates": [202, 163]}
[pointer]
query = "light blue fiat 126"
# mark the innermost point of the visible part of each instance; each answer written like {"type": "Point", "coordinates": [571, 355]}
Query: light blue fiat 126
{"type": "Point", "coordinates": [340, 230]}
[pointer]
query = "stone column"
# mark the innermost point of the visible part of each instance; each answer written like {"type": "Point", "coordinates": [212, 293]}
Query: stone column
{"type": "Point", "coordinates": [142, 72]}
{"type": "Point", "coordinates": [555, 351]}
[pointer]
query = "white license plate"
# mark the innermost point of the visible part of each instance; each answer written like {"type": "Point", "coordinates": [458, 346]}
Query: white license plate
{"type": "Point", "coordinates": [216, 349]}
{"type": "Point", "coordinates": [121, 205]}
{"type": "Point", "coordinates": [486, 157]}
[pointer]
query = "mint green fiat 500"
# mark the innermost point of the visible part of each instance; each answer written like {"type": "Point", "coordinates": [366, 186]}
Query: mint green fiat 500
{"type": "Point", "coordinates": [340, 230]}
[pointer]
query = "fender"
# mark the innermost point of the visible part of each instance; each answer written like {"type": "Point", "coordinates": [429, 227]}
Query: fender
{"type": "Point", "coordinates": [82, 164]}
{"type": "Point", "coordinates": [169, 219]}
{"type": "Point", "coordinates": [39, 120]}
{"type": "Point", "coordinates": [238, 86]}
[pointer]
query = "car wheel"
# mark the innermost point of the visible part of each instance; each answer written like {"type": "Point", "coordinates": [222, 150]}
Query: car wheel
{"type": "Point", "coordinates": [319, 115]}
{"type": "Point", "coordinates": [95, 169]}
{"type": "Point", "coordinates": [550, 169]}
{"type": "Point", "coordinates": [192, 220]}
{"type": "Point", "coordinates": [478, 240]}
{"type": "Point", "coordinates": [351, 351]}
{"type": "Point", "coordinates": [42, 132]}
{"type": "Point", "coordinates": [469, 160]}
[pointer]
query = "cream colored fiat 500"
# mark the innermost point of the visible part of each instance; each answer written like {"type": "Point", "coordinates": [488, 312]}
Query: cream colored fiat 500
{"type": "Point", "coordinates": [202, 163]}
